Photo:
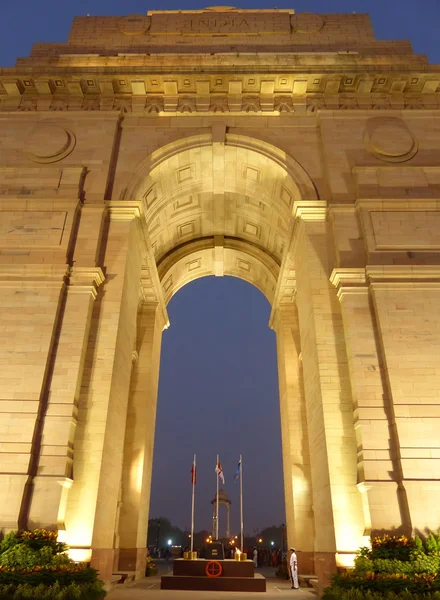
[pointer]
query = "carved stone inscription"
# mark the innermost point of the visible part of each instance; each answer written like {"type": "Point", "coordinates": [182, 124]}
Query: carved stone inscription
{"type": "Point", "coordinates": [221, 23]}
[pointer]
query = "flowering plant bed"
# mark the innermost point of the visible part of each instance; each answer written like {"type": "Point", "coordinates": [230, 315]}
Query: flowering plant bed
{"type": "Point", "coordinates": [33, 564]}
{"type": "Point", "coordinates": [395, 568]}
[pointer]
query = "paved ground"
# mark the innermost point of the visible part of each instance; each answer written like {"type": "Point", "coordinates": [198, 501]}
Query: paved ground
{"type": "Point", "coordinates": [149, 589]}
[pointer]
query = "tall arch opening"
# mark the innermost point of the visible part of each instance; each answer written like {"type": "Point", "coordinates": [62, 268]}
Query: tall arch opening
{"type": "Point", "coordinates": [218, 392]}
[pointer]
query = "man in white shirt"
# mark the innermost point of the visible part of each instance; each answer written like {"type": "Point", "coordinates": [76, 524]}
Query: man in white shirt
{"type": "Point", "coordinates": [294, 569]}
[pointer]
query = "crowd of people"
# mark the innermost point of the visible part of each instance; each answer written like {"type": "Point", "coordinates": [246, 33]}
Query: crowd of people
{"type": "Point", "coordinates": [265, 557]}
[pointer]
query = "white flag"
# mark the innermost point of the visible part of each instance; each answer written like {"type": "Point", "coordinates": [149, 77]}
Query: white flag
{"type": "Point", "coordinates": [219, 471]}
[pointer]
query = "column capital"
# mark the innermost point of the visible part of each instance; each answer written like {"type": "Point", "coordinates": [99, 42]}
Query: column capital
{"type": "Point", "coordinates": [351, 281]}
{"type": "Point", "coordinates": [124, 210]}
{"type": "Point", "coordinates": [310, 210]}
{"type": "Point", "coordinates": [85, 280]}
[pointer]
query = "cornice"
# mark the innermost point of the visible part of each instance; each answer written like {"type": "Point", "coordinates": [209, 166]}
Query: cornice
{"type": "Point", "coordinates": [33, 276]}
{"type": "Point", "coordinates": [403, 274]}
{"type": "Point", "coordinates": [233, 92]}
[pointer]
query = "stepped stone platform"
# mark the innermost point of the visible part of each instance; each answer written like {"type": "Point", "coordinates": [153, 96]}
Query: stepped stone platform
{"type": "Point", "coordinates": [235, 577]}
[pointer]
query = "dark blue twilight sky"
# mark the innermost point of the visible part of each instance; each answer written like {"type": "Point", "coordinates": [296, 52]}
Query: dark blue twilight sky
{"type": "Point", "coordinates": [218, 386]}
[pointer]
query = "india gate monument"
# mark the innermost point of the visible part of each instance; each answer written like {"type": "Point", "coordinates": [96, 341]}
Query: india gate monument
{"type": "Point", "coordinates": [292, 150]}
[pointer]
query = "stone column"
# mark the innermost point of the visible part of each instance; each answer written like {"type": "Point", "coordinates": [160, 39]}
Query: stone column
{"type": "Point", "coordinates": [31, 297]}
{"type": "Point", "coordinates": [339, 521]}
{"type": "Point", "coordinates": [379, 466]}
{"type": "Point", "coordinates": [98, 450]}
{"type": "Point", "coordinates": [296, 457]}
{"type": "Point", "coordinates": [54, 473]}
{"type": "Point", "coordinates": [407, 300]}
{"type": "Point", "coordinates": [139, 440]}
{"type": "Point", "coordinates": [228, 528]}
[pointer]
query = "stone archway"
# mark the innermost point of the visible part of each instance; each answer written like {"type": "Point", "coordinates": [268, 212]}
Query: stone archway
{"type": "Point", "coordinates": [202, 207]}
{"type": "Point", "coordinates": [147, 169]}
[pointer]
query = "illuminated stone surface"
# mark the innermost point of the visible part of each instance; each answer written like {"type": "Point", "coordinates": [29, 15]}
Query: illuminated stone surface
{"type": "Point", "coordinates": [150, 150]}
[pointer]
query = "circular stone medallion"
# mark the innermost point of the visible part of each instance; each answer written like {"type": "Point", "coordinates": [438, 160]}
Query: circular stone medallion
{"type": "Point", "coordinates": [134, 24]}
{"type": "Point", "coordinates": [49, 143]}
{"type": "Point", "coordinates": [306, 22]}
{"type": "Point", "coordinates": [390, 140]}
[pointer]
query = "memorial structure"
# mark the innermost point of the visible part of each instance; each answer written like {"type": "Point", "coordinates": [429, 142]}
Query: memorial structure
{"type": "Point", "coordinates": [224, 499]}
{"type": "Point", "coordinates": [294, 151]}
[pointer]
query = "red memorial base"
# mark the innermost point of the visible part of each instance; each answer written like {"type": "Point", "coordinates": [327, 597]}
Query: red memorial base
{"type": "Point", "coordinates": [214, 575]}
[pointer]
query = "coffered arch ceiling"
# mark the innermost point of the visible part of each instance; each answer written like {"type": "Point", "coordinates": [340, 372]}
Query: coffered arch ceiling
{"type": "Point", "coordinates": [219, 208]}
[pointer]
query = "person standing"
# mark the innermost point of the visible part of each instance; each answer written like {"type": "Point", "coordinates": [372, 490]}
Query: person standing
{"type": "Point", "coordinates": [294, 569]}
{"type": "Point", "coordinates": [255, 556]}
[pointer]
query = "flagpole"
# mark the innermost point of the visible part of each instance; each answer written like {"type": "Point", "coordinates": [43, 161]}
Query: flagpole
{"type": "Point", "coordinates": [216, 503]}
{"type": "Point", "coordinates": [241, 501]}
{"type": "Point", "coordinates": [192, 502]}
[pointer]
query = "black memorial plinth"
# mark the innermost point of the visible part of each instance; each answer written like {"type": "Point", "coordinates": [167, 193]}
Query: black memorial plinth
{"type": "Point", "coordinates": [214, 575]}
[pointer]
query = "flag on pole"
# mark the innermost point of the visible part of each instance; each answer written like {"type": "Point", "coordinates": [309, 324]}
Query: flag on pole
{"type": "Point", "coordinates": [238, 470]}
{"type": "Point", "coordinates": [219, 471]}
{"type": "Point", "coordinates": [193, 474]}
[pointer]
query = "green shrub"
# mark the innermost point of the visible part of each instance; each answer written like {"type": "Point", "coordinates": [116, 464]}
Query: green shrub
{"type": "Point", "coordinates": [21, 556]}
{"type": "Point", "coordinates": [388, 582]}
{"type": "Point", "coordinates": [64, 575]}
{"type": "Point", "coordinates": [88, 591]}
{"type": "Point", "coordinates": [336, 593]}
{"type": "Point", "coordinates": [34, 565]}
{"type": "Point", "coordinates": [363, 565]}
{"type": "Point", "coordinates": [392, 546]}
{"type": "Point", "coordinates": [431, 544]}
{"type": "Point", "coordinates": [426, 563]}
{"type": "Point", "coordinates": [9, 541]}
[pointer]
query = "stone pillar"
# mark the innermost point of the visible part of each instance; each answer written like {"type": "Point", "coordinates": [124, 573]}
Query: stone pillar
{"type": "Point", "coordinates": [31, 297]}
{"type": "Point", "coordinates": [54, 474]}
{"type": "Point", "coordinates": [228, 528]}
{"type": "Point", "coordinates": [337, 505]}
{"type": "Point", "coordinates": [98, 450]}
{"type": "Point", "coordinates": [296, 457]}
{"type": "Point", "coordinates": [407, 300]}
{"type": "Point", "coordinates": [379, 466]}
{"type": "Point", "coordinates": [139, 440]}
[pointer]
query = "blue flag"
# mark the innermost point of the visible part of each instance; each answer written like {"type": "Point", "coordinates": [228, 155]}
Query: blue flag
{"type": "Point", "coordinates": [238, 470]}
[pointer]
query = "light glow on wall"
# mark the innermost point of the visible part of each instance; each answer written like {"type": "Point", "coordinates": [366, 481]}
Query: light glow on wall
{"type": "Point", "coordinates": [62, 536]}
{"type": "Point", "coordinates": [345, 560]}
{"type": "Point", "coordinates": [80, 554]}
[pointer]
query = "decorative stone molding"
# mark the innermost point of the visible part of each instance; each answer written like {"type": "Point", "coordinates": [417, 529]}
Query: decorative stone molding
{"type": "Point", "coordinates": [315, 210]}
{"type": "Point", "coordinates": [124, 210]}
{"type": "Point", "coordinates": [50, 143]}
{"type": "Point", "coordinates": [85, 280]}
{"type": "Point", "coordinates": [151, 105]}
{"type": "Point", "coordinates": [33, 276]}
{"type": "Point", "coordinates": [134, 25]}
{"type": "Point", "coordinates": [306, 23]}
{"type": "Point", "coordinates": [405, 274]}
{"type": "Point", "coordinates": [390, 140]}
{"type": "Point", "coordinates": [301, 92]}
{"type": "Point", "coordinates": [349, 281]}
